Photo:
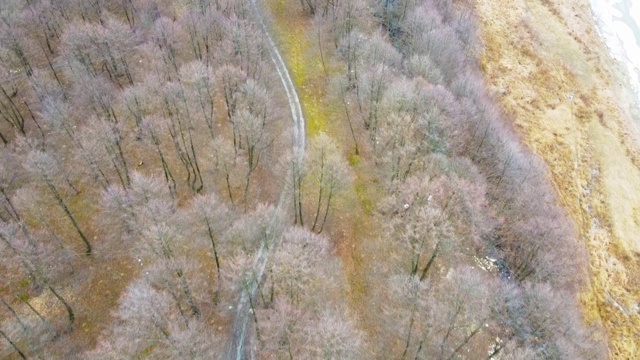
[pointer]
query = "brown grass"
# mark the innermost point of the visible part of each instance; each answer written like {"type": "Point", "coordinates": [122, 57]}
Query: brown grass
{"type": "Point", "coordinates": [552, 73]}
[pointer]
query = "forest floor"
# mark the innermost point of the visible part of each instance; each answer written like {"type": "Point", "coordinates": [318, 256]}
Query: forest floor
{"type": "Point", "coordinates": [553, 75]}
{"type": "Point", "coordinates": [351, 221]}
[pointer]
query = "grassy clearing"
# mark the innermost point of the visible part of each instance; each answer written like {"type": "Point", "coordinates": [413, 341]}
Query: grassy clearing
{"type": "Point", "coordinates": [351, 221]}
{"type": "Point", "coordinates": [304, 62]}
{"type": "Point", "coordinates": [553, 75]}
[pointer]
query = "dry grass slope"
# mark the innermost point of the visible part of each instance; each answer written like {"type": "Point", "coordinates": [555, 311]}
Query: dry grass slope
{"type": "Point", "coordinates": [553, 75]}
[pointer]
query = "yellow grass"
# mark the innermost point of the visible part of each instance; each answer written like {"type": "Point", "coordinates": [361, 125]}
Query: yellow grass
{"type": "Point", "coordinates": [304, 62]}
{"type": "Point", "coordinates": [554, 77]}
{"type": "Point", "coordinates": [351, 221]}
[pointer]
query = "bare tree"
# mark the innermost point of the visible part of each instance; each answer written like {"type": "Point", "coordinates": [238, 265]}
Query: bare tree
{"type": "Point", "coordinates": [100, 146]}
{"type": "Point", "coordinates": [301, 267]}
{"type": "Point", "coordinates": [422, 231]}
{"type": "Point", "coordinates": [255, 139]}
{"type": "Point", "coordinates": [291, 332]}
{"type": "Point", "coordinates": [174, 274]}
{"type": "Point", "coordinates": [532, 312]}
{"type": "Point", "coordinates": [198, 81]}
{"type": "Point", "coordinates": [15, 110]}
{"type": "Point", "coordinates": [393, 13]}
{"type": "Point", "coordinates": [168, 38]}
{"type": "Point", "coordinates": [10, 177]}
{"type": "Point", "coordinates": [282, 327]}
{"type": "Point", "coordinates": [377, 59]}
{"type": "Point", "coordinates": [17, 259]}
{"type": "Point", "coordinates": [463, 313]}
{"type": "Point", "coordinates": [430, 217]}
{"type": "Point", "coordinates": [44, 261]}
{"type": "Point", "coordinates": [58, 118]}
{"type": "Point", "coordinates": [340, 89]}
{"type": "Point", "coordinates": [207, 29]}
{"type": "Point", "coordinates": [346, 16]}
{"type": "Point", "coordinates": [230, 79]}
{"type": "Point", "coordinates": [13, 344]}
{"type": "Point", "coordinates": [44, 166]}
{"type": "Point", "coordinates": [248, 47]}
{"type": "Point", "coordinates": [423, 66]}
{"type": "Point", "coordinates": [329, 174]}
{"type": "Point", "coordinates": [398, 148]}
{"type": "Point", "coordinates": [225, 161]}
{"type": "Point", "coordinates": [182, 131]}
{"type": "Point", "coordinates": [127, 213]}
{"type": "Point", "coordinates": [250, 231]}
{"type": "Point", "coordinates": [424, 319]}
{"type": "Point", "coordinates": [147, 317]}
{"type": "Point", "coordinates": [106, 47]}
{"type": "Point", "coordinates": [294, 169]}
{"type": "Point", "coordinates": [12, 39]}
{"type": "Point", "coordinates": [351, 47]}
{"type": "Point", "coordinates": [304, 315]}
{"type": "Point", "coordinates": [45, 28]}
{"type": "Point", "coordinates": [208, 217]}
{"type": "Point", "coordinates": [117, 49]}
{"type": "Point", "coordinates": [99, 99]}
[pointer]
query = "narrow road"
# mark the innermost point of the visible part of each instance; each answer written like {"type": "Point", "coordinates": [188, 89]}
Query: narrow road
{"type": "Point", "coordinates": [236, 348]}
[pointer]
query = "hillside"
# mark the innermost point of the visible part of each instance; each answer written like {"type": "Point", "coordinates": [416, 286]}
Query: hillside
{"type": "Point", "coordinates": [551, 72]}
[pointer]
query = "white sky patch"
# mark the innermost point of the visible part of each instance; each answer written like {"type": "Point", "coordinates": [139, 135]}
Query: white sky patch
{"type": "Point", "coordinates": [619, 25]}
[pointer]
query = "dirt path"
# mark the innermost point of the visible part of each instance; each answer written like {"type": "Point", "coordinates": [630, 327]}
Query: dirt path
{"type": "Point", "coordinates": [552, 74]}
{"type": "Point", "coordinates": [239, 337]}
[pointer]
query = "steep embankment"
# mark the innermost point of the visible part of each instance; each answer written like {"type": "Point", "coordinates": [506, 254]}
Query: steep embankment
{"type": "Point", "coordinates": [554, 77]}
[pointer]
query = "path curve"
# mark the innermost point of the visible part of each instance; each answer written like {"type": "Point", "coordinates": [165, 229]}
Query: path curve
{"type": "Point", "coordinates": [236, 348]}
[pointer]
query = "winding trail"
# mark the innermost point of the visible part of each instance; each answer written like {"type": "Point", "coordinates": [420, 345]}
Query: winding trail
{"type": "Point", "coordinates": [236, 348]}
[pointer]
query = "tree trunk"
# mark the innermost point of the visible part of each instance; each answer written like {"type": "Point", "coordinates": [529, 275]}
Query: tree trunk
{"type": "Point", "coordinates": [15, 314]}
{"type": "Point", "coordinates": [64, 207]}
{"type": "Point", "coordinates": [11, 209]}
{"type": "Point", "coordinates": [32, 309]}
{"type": "Point", "coordinates": [353, 134]}
{"type": "Point", "coordinates": [226, 176]}
{"type": "Point", "coordinates": [465, 341]}
{"type": "Point", "coordinates": [70, 314]}
{"type": "Point", "coordinates": [187, 292]}
{"type": "Point", "coordinates": [321, 185]}
{"type": "Point", "coordinates": [430, 262]}
{"type": "Point", "coordinates": [326, 210]}
{"type": "Point", "coordinates": [215, 254]}
{"type": "Point", "coordinates": [13, 345]}
{"type": "Point", "coordinates": [408, 341]}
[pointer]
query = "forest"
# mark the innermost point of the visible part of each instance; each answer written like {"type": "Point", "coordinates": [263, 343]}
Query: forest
{"type": "Point", "coordinates": [158, 201]}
